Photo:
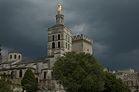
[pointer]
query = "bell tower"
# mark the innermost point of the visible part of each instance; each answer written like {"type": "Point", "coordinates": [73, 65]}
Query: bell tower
{"type": "Point", "coordinates": [59, 36]}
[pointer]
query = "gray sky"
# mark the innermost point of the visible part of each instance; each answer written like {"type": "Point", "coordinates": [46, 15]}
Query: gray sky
{"type": "Point", "coordinates": [112, 24]}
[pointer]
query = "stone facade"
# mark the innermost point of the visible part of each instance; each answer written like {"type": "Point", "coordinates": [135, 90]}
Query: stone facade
{"type": "Point", "coordinates": [41, 68]}
{"type": "Point", "coordinates": [129, 77]}
{"type": "Point", "coordinates": [60, 41]}
{"type": "Point", "coordinates": [81, 43]}
{"type": "Point", "coordinates": [14, 56]}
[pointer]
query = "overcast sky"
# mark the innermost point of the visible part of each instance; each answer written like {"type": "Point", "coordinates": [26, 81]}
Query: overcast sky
{"type": "Point", "coordinates": [112, 24]}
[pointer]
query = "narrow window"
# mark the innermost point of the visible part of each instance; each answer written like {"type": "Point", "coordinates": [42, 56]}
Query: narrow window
{"type": "Point", "coordinates": [19, 57]}
{"type": "Point", "coordinates": [44, 75]}
{"type": "Point", "coordinates": [53, 45]}
{"type": "Point", "coordinates": [37, 80]}
{"type": "Point", "coordinates": [14, 56]}
{"type": "Point", "coordinates": [12, 75]}
{"type": "Point", "coordinates": [66, 45]}
{"type": "Point", "coordinates": [66, 37]}
{"type": "Point", "coordinates": [10, 56]}
{"type": "Point", "coordinates": [53, 37]}
{"type": "Point", "coordinates": [58, 36]}
{"type": "Point", "coordinates": [58, 44]}
{"type": "Point", "coordinates": [20, 73]}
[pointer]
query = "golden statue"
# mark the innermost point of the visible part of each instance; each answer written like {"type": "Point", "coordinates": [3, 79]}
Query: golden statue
{"type": "Point", "coordinates": [59, 9]}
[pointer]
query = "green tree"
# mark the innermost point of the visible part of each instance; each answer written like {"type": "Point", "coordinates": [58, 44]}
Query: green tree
{"type": "Point", "coordinates": [5, 85]}
{"type": "Point", "coordinates": [82, 73]}
{"type": "Point", "coordinates": [79, 73]}
{"type": "Point", "coordinates": [29, 82]}
{"type": "Point", "coordinates": [112, 84]}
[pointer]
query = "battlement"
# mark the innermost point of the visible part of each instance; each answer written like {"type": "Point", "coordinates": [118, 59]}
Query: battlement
{"type": "Point", "coordinates": [81, 37]}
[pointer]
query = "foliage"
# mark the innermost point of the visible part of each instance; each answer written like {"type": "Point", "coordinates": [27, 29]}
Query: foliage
{"type": "Point", "coordinates": [82, 73]}
{"type": "Point", "coordinates": [112, 84]}
{"type": "Point", "coordinates": [79, 73]}
{"type": "Point", "coordinates": [29, 82]}
{"type": "Point", "coordinates": [5, 85]}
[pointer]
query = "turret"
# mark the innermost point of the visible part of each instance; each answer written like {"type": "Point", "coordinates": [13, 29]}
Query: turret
{"type": "Point", "coordinates": [81, 43]}
{"type": "Point", "coordinates": [14, 56]}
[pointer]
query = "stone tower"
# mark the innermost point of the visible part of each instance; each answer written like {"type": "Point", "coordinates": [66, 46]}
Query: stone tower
{"type": "Point", "coordinates": [59, 36]}
{"type": "Point", "coordinates": [81, 43]}
{"type": "Point", "coordinates": [14, 56]}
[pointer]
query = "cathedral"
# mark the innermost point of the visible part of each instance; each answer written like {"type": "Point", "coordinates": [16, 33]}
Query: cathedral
{"type": "Point", "coordinates": [60, 40]}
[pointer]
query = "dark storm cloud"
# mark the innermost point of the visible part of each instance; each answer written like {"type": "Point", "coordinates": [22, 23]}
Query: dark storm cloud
{"type": "Point", "coordinates": [112, 24]}
{"type": "Point", "coordinates": [23, 26]}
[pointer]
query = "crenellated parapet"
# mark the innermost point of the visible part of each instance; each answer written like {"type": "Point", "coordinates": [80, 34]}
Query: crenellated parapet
{"type": "Point", "coordinates": [81, 37]}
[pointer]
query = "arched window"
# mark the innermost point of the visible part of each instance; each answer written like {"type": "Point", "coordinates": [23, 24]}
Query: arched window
{"type": "Point", "coordinates": [58, 36]}
{"type": "Point", "coordinates": [12, 74]}
{"type": "Point", "coordinates": [58, 44]}
{"type": "Point", "coordinates": [44, 75]}
{"type": "Point", "coordinates": [37, 80]}
{"type": "Point", "coordinates": [53, 45]}
{"type": "Point", "coordinates": [19, 57]}
{"type": "Point", "coordinates": [20, 73]}
{"type": "Point", "coordinates": [14, 56]}
{"type": "Point", "coordinates": [53, 37]}
{"type": "Point", "coordinates": [68, 46]}
{"type": "Point", "coordinates": [66, 37]}
{"type": "Point", "coordinates": [10, 56]}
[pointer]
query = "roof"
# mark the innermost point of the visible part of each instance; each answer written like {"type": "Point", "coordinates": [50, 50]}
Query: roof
{"type": "Point", "coordinates": [32, 61]}
{"type": "Point", "coordinates": [5, 69]}
{"type": "Point", "coordinates": [14, 51]}
{"type": "Point", "coordinates": [45, 60]}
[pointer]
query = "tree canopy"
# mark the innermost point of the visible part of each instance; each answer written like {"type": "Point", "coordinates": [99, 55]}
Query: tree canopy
{"type": "Point", "coordinates": [5, 85]}
{"type": "Point", "coordinates": [112, 84]}
{"type": "Point", "coordinates": [82, 73]}
{"type": "Point", "coordinates": [29, 82]}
